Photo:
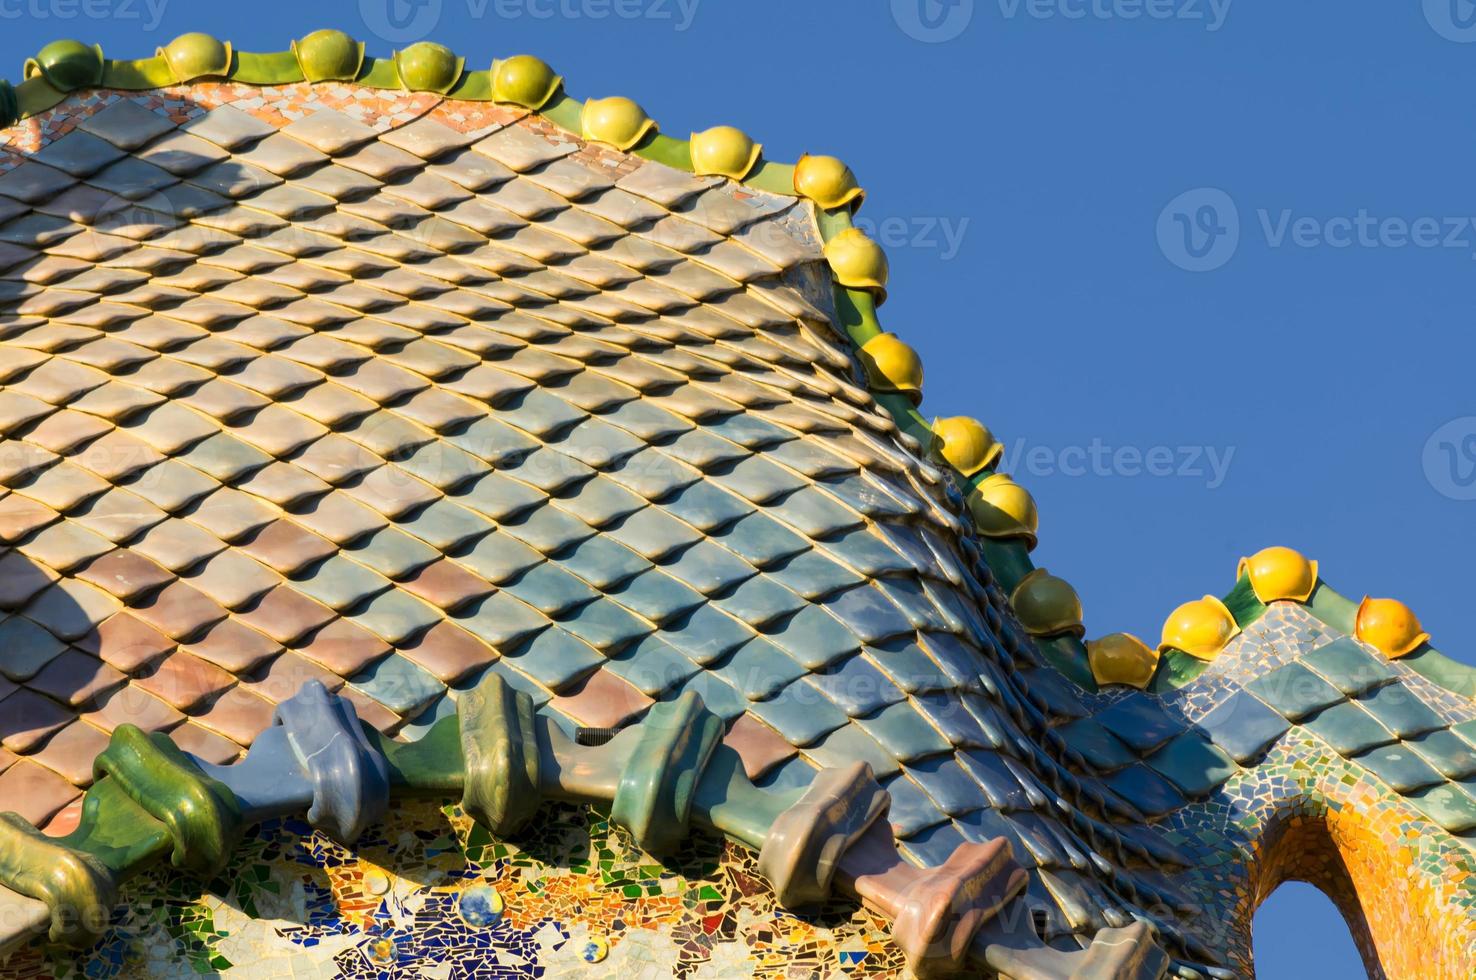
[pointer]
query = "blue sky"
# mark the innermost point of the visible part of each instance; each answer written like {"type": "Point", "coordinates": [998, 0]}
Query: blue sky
{"type": "Point", "coordinates": [1206, 267]}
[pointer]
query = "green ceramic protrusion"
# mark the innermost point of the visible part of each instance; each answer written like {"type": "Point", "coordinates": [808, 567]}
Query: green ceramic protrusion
{"type": "Point", "coordinates": [67, 65]}
{"type": "Point", "coordinates": [524, 80]}
{"type": "Point", "coordinates": [499, 742]}
{"type": "Point", "coordinates": [428, 67]}
{"type": "Point", "coordinates": [201, 813]}
{"type": "Point", "coordinates": [654, 798]}
{"type": "Point", "coordinates": [1069, 656]}
{"type": "Point", "coordinates": [1175, 669]}
{"type": "Point", "coordinates": [9, 104]}
{"type": "Point", "coordinates": [329, 56]}
{"type": "Point", "coordinates": [197, 55]}
{"type": "Point", "coordinates": [431, 764]}
{"type": "Point", "coordinates": [1243, 604]}
{"type": "Point", "coordinates": [75, 886]}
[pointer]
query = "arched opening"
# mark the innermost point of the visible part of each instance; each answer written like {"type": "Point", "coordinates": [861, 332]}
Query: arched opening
{"type": "Point", "coordinates": [1298, 932]}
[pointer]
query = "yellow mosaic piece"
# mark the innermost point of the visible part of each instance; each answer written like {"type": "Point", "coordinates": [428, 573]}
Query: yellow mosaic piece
{"type": "Point", "coordinates": [827, 181]}
{"type": "Point", "coordinates": [1122, 658]}
{"type": "Point", "coordinates": [616, 121]}
{"type": "Point", "coordinates": [1001, 508]}
{"type": "Point", "coordinates": [891, 365]}
{"type": "Point", "coordinates": [967, 444]}
{"type": "Point", "coordinates": [724, 151]}
{"type": "Point", "coordinates": [1390, 626]}
{"type": "Point", "coordinates": [1200, 628]}
{"type": "Point", "coordinates": [1280, 573]}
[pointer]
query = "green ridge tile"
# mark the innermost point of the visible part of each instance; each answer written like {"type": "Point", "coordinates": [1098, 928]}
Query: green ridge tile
{"type": "Point", "coordinates": [1350, 667]}
{"type": "Point", "coordinates": [1449, 806]}
{"type": "Point", "coordinates": [1402, 711]}
{"type": "Point", "coordinates": [1451, 756]}
{"type": "Point", "coordinates": [1400, 767]}
{"type": "Point", "coordinates": [1349, 729]}
{"type": "Point", "coordinates": [1294, 691]}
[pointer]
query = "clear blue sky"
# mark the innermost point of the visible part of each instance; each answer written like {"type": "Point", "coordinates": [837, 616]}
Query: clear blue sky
{"type": "Point", "coordinates": [1046, 173]}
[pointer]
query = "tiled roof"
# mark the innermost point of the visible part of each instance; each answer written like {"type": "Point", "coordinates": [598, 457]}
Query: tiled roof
{"type": "Point", "coordinates": [316, 378]}
{"type": "Point", "coordinates": [388, 391]}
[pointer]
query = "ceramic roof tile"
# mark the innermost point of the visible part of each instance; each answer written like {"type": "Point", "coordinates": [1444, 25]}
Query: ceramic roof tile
{"type": "Point", "coordinates": [1243, 726]}
{"type": "Point", "coordinates": [342, 647]}
{"type": "Point", "coordinates": [35, 791]}
{"type": "Point", "coordinates": [398, 684]}
{"type": "Point", "coordinates": [228, 127]}
{"type": "Point", "coordinates": [1402, 711]}
{"type": "Point", "coordinates": [1400, 767]}
{"type": "Point", "coordinates": [1451, 756]}
{"type": "Point", "coordinates": [1295, 691]}
{"type": "Point", "coordinates": [28, 718]}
